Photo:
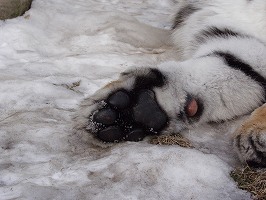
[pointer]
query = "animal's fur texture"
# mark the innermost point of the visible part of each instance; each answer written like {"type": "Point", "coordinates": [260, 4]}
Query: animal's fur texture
{"type": "Point", "coordinates": [222, 67]}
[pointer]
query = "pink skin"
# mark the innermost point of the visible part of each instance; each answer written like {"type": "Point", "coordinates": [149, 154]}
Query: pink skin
{"type": "Point", "coordinates": [192, 108]}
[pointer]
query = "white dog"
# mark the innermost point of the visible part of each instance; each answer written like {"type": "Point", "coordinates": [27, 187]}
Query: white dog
{"type": "Point", "coordinates": [222, 75]}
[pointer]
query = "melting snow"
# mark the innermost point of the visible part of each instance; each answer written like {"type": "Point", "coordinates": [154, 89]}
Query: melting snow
{"type": "Point", "coordinates": [44, 55]}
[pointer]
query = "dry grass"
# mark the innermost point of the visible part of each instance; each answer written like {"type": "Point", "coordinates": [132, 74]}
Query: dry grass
{"type": "Point", "coordinates": [252, 180]}
{"type": "Point", "coordinates": [175, 139]}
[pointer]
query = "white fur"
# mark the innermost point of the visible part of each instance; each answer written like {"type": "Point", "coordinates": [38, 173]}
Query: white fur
{"type": "Point", "coordinates": [242, 15]}
{"type": "Point", "coordinates": [225, 92]}
{"type": "Point", "coordinates": [221, 88]}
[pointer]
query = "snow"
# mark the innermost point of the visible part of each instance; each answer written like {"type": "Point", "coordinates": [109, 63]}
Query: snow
{"type": "Point", "coordinates": [43, 56]}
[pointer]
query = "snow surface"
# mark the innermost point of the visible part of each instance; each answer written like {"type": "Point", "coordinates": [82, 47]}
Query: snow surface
{"type": "Point", "coordinates": [43, 56]}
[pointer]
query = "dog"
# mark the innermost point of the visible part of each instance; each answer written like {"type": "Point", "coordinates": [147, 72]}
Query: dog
{"type": "Point", "coordinates": [221, 75]}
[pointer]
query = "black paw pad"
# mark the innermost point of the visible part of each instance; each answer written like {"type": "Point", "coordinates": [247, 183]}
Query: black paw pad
{"type": "Point", "coordinates": [119, 100]}
{"type": "Point", "coordinates": [148, 112]}
{"type": "Point", "coordinates": [105, 116]}
{"type": "Point", "coordinates": [136, 135]}
{"type": "Point", "coordinates": [111, 134]}
{"type": "Point", "coordinates": [129, 116]}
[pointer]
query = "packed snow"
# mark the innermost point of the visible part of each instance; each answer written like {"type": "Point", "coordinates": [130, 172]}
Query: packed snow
{"type": "Point", "coordinates": [54, 56]}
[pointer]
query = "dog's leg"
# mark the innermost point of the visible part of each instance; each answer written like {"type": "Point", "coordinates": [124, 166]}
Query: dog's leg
{"type": "Point", "coordinates": [250, 138]}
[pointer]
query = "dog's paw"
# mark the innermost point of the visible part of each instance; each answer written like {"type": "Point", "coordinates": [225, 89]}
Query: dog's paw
{"type": "Point", "coordinates": [127, 115]}
{"type": "Point", "coordinates": [126, 109]}
{"type": "Point", "coordinates": [143, 101]}
{"type": "Point", "coordinates": [250, 139]}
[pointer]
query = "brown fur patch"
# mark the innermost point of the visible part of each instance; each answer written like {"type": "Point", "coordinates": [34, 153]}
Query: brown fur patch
{"type": "Point", "coordinates": [256, 121]}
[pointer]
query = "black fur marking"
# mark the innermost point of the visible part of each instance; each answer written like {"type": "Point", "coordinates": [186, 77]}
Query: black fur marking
{"type": "Point", "coordinates": [255, 164]}
{"type": "Point", "coordinates": [252, 143]}
{"type": "Point", "coordinates": [235, 63]}
{"type": "Point", "coordinates": [215, 32]}
{"type": "Point", "coordinates": [259, 155]}
{"type": "Point", "coordinates": [238, 141]}
{"type": "Point", "coordinates": [183, 15]}
{"type": "Point", "coordinates": [153, 79]}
